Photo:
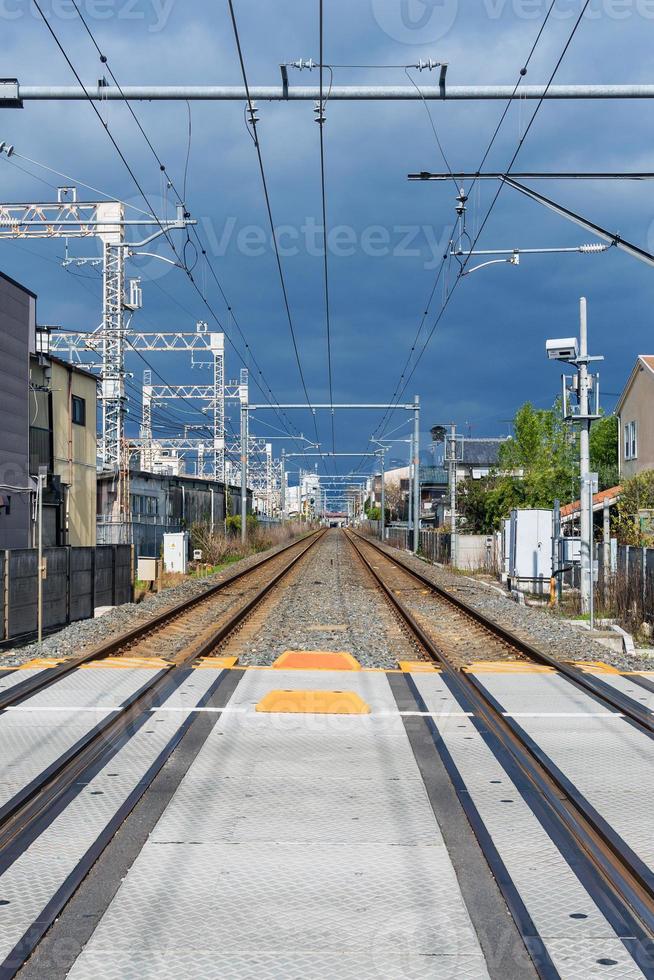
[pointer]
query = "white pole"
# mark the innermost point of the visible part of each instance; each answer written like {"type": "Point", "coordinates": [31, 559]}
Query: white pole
{"type": "Point", "coordinates": [39, 558]}
{"type": "Point", "coordinates": [584, 460]}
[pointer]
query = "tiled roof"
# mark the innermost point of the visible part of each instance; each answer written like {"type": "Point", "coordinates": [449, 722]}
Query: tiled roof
{"type": "Point", "coordinates": [481, 452]}
{"type": "Point", "coordinates": [598, 501]}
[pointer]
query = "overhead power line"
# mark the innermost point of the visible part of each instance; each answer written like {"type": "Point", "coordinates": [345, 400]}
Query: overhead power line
{"type": "Point", "coordinates": [321, 126]}
{"type": "Point", "coordinates": [264, 182]}
{"type": "Point", "coordinates": [181, 261]}
{"type": "Point", "coordinates": [521, 141]}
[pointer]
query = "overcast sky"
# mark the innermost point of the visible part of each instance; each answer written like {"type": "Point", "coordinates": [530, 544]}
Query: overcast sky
{"type": "Point", "coordinates": [387, 234]}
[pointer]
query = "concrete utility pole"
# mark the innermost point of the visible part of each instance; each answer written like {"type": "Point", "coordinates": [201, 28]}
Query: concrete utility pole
{"type": "Point", "coordinates": [383, 495]}
{"type": "Point", "coordinates": [282, 488]}
{"type": "Point", "coordinates": [416, 474]}
{"type": "Point", "coordinates": [452, 468]}
{"type": "Point", "coordinates": [584, 460]}
{"type": "Point", "coordinates": [244, 455]}
{"type": "Point", "coordinates": [574, 352]}
{"type": "Point", "coordinates": [42, 477]}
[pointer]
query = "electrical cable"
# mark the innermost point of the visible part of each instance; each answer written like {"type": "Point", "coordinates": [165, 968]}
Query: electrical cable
{"type": "Point", "coordinates": [182, 201]}
{"type": "Point", "coordinates": [262, 172]}
{"type": "Point", "coordinates": [321, 126]}
{"type": "Point", "coordinates": [523, 72]}
{"type": "Point", "coordinates": [122, 156]}
{"type": "Point", "coordinates": [499, 190]}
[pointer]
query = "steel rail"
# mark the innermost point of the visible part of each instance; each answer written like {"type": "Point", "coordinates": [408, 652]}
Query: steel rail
{"type": "Point", "coordinates": [629, 886]}
{"type": "Point", "coordinates": [28, 805]}
{"type": "Point", "coordinates": [614, 699]}
{"type": "Point", "coordinates": [25, 689]}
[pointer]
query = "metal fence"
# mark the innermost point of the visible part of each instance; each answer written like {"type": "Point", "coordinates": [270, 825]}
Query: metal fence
{"type": "Point", "coordinates": [78, 581]}
{"type": "Point", "coordinates": [626, 583]}
{"type": "Point", "coordinates": [434, 545]}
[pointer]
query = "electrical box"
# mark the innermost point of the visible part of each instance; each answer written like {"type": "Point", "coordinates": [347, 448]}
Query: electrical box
{"type": "Point", "coordinates": [176, 552]}
{"type": "Point", "coordinates": [530, 554]}
{"type": "Point", "coordinates": [149, 569]}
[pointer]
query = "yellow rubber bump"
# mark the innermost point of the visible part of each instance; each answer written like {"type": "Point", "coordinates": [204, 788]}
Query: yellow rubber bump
{"type": "Point", "coordinates": [219, 663]}
{"type": "Point", "coordinates": [39, 663]}
{"type": "Point", "coordinates": [416, 666]}
{"type": "Point", "coordinates": [507, 667]}
{"type": "Point", "coordinates": [592, 666]}
{"type": "Point", "coordinates": [123, 663]}
{"type": "Point", "coordinates": [316, 660]}
{"type": "Point", "coordinates": [313, 703]}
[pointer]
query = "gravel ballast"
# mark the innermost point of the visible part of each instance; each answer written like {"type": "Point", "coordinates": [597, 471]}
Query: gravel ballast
{"type": "Point", "coordinates": [535, 625]}
{"type": "Point", "coordinates": [72, 640]}
{"type": "Point", "coordinates": [329, 602]}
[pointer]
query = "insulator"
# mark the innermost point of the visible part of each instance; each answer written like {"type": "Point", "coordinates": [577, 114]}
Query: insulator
{"type": "Point", "coordinates": [593, 247]}
{"type": "Point", "coordinates": [253, 110]}
{"type": "Point", "coordinates": [427, 65]}
{"type": "Point", "coordinates": [6, 148]}
{"type": "Point", "coordinates": [319, 112]}
{"type": "Point", "coordinates": [304, 63]}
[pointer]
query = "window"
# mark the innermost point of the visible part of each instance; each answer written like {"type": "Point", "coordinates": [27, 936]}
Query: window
{"type": "Point", "coordinates": [144, 506]}
{"type": "Point", "coordinates": [630, 433]}
{"type": "Point", "coordinates": [79, 410]}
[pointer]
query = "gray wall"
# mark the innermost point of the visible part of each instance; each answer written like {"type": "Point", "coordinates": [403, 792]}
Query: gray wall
{"type": "Point", "coordinates": [17, 324]}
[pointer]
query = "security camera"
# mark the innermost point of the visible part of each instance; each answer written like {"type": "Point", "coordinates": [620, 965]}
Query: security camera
{"type": "Point", "coordinates": [565, 349]}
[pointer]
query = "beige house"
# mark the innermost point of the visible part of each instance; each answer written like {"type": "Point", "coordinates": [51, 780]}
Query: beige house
{"type": "Point", "coordinates": [635, 411]}
{"type": "Point", "coordinates": [63, 439]}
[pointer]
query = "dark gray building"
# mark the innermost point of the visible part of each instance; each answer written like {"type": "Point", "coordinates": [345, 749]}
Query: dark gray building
{"type": "Point", "coordinates": [161, 504]}
{"type": "Point", "coordinates": [17, 341]}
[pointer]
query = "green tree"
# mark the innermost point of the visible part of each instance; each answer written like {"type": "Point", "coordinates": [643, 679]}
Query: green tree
{"type": "Point", "coordinates": [539, 465]}
{"type": "Point", "coordinates": [637, 494]}
{"type": "Point", "coordinates": [233, 523]}
{"type": "Point", "coordinates": [604, 451]}
{"type": "Point", "coordinates": [545, 450]}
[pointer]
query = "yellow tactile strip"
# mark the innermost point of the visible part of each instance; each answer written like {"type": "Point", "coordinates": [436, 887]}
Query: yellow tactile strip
{"type": "Point", "coordinates": [316, 660]}
{"type": "Point", "coordinates": [592, 666]}
{"type": "Point", "coordinates": [417, 666]}
{"type": "Point", "coordinates": [220, 663]}
{"type": "Point", "coordinates": [313, 702]}
{"type": "Point", "coordinates": [39, 663]}
{"type": "Point", "coordinates": [507, 667]}
{"type": "Point", "coordinates": [119, 663]}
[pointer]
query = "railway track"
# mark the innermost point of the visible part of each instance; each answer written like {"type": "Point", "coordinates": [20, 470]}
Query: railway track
{"type": "Point", "coordinates": [628, 884]}
{"type": "Point", "coordinates": [205, 621]}
{"type": "Point", "coordinates": [207, 618]}
{"type": "Point", "coordinates": [451, 630]}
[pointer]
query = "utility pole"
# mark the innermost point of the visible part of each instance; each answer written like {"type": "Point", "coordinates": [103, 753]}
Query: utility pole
{"type": "Point", "coordinates": [244, 454]}
{"type": "Point", "coordinates": [282, 489]}
{"type": "Point", "coordinates": [574, 352]}
{"type": "Point", "coordinates": [584, 460]}
{"type": "Point", "coordinates": [409, 503]}
{"type": "Point", "coordinates": [383, 495]}
{"type": "Point", "coordinates": [416, 474]}
{"type": "Point", "coordinates": [452, 469]}
{"type": "Point", "coordinates": [42, 476]}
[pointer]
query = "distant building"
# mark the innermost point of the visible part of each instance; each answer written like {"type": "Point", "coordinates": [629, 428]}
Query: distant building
{"type": "Point", "coordinates": [478, 457]}
{"type": "Point", "coordinates": [17, 340]}
{"type": "Point", "coordinates": [47, 419]}
{"type": "Point", "coordinates": [433, 493]}
{"type": "Point", "coordinates": [63, 439]}
{"type": "Point", "coordinates": [160, 503]}
{"type": "Point", "coordinates": [634, 411]}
